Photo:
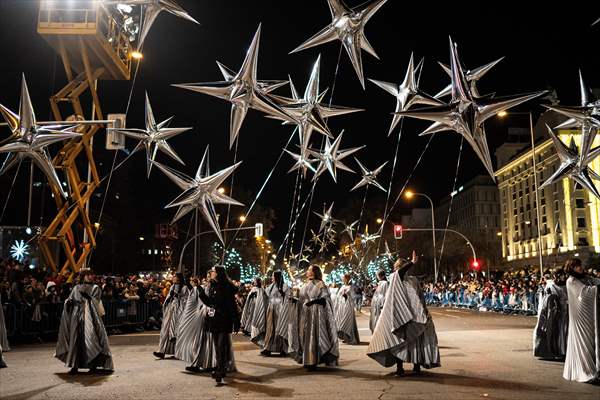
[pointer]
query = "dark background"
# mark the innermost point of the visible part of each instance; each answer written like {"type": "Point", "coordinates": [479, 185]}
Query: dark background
{"type": "Point", "coordinates": [544, 46]}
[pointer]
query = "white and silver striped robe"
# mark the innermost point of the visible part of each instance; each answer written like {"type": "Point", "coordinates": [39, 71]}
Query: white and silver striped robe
{"type": "Point", "coordinates": [3, 336]}
{"type": "Point", "coordinates": [248, 311]}
{"type": "Point", "coordinates": [405, 330]}
{"type": "Point", "coordinates": [276, 319]}
{"type": "Point", "coordinates": [2, 363]}
{"type": "Point", "coordinates": [377, 304]}
{"type": "Point", "coordinates": [551, 329]}
{"type": "Point", "coordinates": [317, 328]}
{"type": "Point", "coordinates": [194, 343]}
{"type": "Point", "coordinates": [82, 340]}
{"type": "Point", "coordinates": [582, 363]}
{"type": "Point", "coordinates": [345, 317]}
{"type": "Point", "coordinates": [172, 310]}
{"type": "Point", "coordinates": [258, 322]}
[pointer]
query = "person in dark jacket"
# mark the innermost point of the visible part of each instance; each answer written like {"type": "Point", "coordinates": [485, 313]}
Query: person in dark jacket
{"type": "Point", "coordinates": [222, 316]}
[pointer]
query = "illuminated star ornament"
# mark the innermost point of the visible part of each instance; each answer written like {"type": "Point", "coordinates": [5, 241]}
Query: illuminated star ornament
{"type": "Point", "coordinates": [19, 250]}
{"type": "Point", "coordinates": [154, 137]}
{"type": "Point", "coordinates": [303, 162]}
{"type": "Point", "coordinates": [407, 94]}
{"type": "Point", "coordinates": [331, 157]}
{"type": "Point", "coordinates": [585, 117]}
{"type": "Point", "coordinates": [243, 91]}
{"type": "Point", "coordinates": [472, 76]}
{"type": "Point", "coordinates": [465, 113]}
{"type": "Point", "coordinates": [369, 177]}
{"type": "Point", "coordinates": [349, 229]}
{"type": "Point", "coordinates": [31, 140]}
{"type": "Point", "coordinates": [326, 218]}
{"type": "Point", "coordinates": [309, 113]}
{"type": "Point", "coordinates": [200, 192]}
{"type": "Point", "coordinates": [151, 9]}
{"type": "Point", "coordinates": [347, 26]}
{"type": "Point", "coordinates": [573, 164]}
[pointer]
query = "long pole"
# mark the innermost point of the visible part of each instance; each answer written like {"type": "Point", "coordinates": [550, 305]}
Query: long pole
{"type": "Point", "coordinates": [435, 266]}
{"type": "Point", "coordinates": [537, 199]}
{"type": "Point", "coordinates": [30, 195]}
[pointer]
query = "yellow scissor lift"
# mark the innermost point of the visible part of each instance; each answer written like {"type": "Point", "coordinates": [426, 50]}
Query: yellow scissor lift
{"type": "Point", "coordinates": [92, 46]}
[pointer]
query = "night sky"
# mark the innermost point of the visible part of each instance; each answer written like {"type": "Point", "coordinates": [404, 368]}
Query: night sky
{"type": "Point", "coordinates": [544, 47]}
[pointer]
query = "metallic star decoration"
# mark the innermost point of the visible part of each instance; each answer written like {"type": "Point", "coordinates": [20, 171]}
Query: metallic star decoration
{"type": "Point", "coordinates": [326, 218]}
{"type": "Point", "coordinates": [315, 237]}
{"type": "Point", "coordinates": [200, 193]}
{"type": "Point", "coordinates": [29, 139]}
{"type": "Point", "coordinates": [596, 21]}
{"type": "Point", "coordinates": [347, 26]}
{"type": "Point", "coordinates": [472, 77]}
{"type": "Point", "coordinates": [154, 137]}
{"type": "Point", "coordinates": [585, 117]}
{"type": "Point", "coordinates": [573, 164]}
{"type": "Point", "coordinates": [369, 177]}
{"type": "Point", "coordinates": [309, 112]}
{"type": "Point", "coordinates": [366, 239]}
{"type": "Point", "coordinates": [303, 162]}
{"type": "Point", "coordinates": [243, 91]}
{"type": "Point", "coordinates": [465, 113]}
{"type": "Point", "coordinates": [330, 159]}
{"type": "Point", "coordinates": [349, 230]}
{"type": "Point", "coordinates": [151, 9]}
{"type": "Point", "coordinates": [407, 93]}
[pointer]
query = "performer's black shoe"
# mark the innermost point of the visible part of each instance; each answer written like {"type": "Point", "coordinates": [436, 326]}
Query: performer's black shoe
{"type": "Point", "coordinates": [311, 368]}
{"type": "Point", "coordinates": [400, 372]}
{"type": "Point", "coordinates": [417, 369]}
{"type": "Point", "coordinates": [266, 353]}
{"type": "Point", "coordinates": [93, 370]}
{"type": "Point", "coordinates": [159, 355]}
{"type": "Point", "coordinates": [73, 371]}
{"type": "Point", "coordinates": [218, 377]}
{"type": "Point", "coordinates": [193, 369]}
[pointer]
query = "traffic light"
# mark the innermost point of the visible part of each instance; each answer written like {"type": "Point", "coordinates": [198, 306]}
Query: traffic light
{"type": "Point", "coordinates": [475, 265]}
{"type": "Point", "coordinates": [397, 231]}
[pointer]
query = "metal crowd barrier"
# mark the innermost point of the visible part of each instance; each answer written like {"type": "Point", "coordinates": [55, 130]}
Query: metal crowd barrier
{"type": "Point", "coordinates": [22, 320]}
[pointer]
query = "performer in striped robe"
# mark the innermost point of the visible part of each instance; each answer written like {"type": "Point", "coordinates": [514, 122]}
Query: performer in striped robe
{"type": "Point", "coordinates": [3, 335]}
{"type": "Point", "coordinates": [250, 306]}
{"type": "Point", "coordinates": [172, 310]}
{"type": "Point", "coordinates": [378, 299]}
{"type": "Point", "coordinates": [277, 316]}
{"type": "Point", "coordinates": [82, 340]}
{"type": "Point", "coordinates": [195, 344]}
{"type": "Point", "coordinates": [317, 329]}
{"type": "Point", "coordinates": [551, 330]}
{"type": "Point", "coordinates": [405, 330]}
{"type": "Point", "coordinates": [582, 363]}
{"type": "Point", "coordinates": [344, 313]}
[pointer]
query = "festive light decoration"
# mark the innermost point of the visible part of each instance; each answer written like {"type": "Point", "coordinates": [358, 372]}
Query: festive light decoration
{"type": "Point", "coordinates": [337, 274]}
{"type": "Point", "coordinates": [380, 263]}
{"type": "Point", "coordinates": [19, 250]}
{"type": "Point", "coordinates": [234, 262]}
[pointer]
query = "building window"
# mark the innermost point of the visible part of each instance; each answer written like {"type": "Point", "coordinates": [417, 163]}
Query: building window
{"type": "Point", "coordinates": [581, 222]}
{"type": "Point", "coordinates": [583, 241]}
{"type": "Point", "coordinates": [580, 203]}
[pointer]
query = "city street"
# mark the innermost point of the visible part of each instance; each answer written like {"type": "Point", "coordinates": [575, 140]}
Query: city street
{"type": "Point", "coordinates": [483, 356]}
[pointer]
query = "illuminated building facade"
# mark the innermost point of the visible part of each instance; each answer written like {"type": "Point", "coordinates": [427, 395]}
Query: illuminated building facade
{"type": "Point", "coordinates": [569, 214]}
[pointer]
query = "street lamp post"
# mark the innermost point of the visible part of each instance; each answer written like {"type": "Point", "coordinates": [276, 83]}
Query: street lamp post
{"type": "Point", "coordinates": [409, 194]}
{"type": "Point", "coordinates": [535, 183]}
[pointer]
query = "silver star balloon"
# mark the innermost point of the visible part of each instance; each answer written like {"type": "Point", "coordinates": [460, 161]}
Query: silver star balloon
{"type": "Point", "coordinates": [573, 164]}
{"type": "Point", "coordinates": [243, 91]}
{"type": "Point", "coordinates": [387, 252]}
{"type": "Point", "coordinates": [154, 137]}
{"type": "Point", "coordinates": [366, 238]}
{"type": "Point", "coordinates": [596, 21]}
{"type": "Point", "coordinates": [29, 139]}
{"type": "Point", "coordinates": [349, 229]}
{"type": "Point", "coordinates": [330, 159]}
{"type": "Point", "coordinates": [585, 117]}
{"type": "Point", "coordinates": [347, 26]}
{"type": "Point", "coordinates": [303, 162]}
{"type": "Point", "coordinates": [472, 76]}
{"type": "Point", "coordinates": [326, 218]}
{"type": "Point", "coordinates": [369, 177]}
{"type": "Point", "coordinates": [465, 113]}
{"type": "Point", "coordinates": [200, 193]}
{"type": "Point", "coordinates": [151, 9]}
{"type": "Point", "coordinates": [407, 93]}
{"type": "Point", "coordinates": [309, 111]}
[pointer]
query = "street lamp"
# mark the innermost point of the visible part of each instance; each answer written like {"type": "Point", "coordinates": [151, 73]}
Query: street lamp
{"type": "Point", "coordinates": [141, 238]}
{"type": "Point", "coordinates": [221, 190]}
{"type": "Point", "coordinates": [379, 221]}
{"type": "Point", "coordinates": [136, 55]}
{"type": "Point", "coordinates": [242, 218]}
{"type": "Point", "coordinates": [409, 194]}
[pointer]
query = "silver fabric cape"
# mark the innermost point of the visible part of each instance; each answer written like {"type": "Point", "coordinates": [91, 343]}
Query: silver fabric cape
{"type": "Point", "coordinates": [82, 340]}
{"type": "Point", "coordinates": [550, 333]}
{"type": "Point", "coordinates": [582, 363]}
{"type": "Point", "coordinates": [172, 309]}
{"type": "Point", "coordinates": [345, 317]}
{"type": "Point", "coordinates": [3, 337]}
{"type": "Point", "coordinates": [280, 330]}
{"type": "Point", "coordinates": [249, 307]}
{"type": "Point", "coordinates": [195, 344]}
{"type": "Point", "coordinates": [258, 323]}
{"type": "Point", "coordinates": [317, 328]}
{"type": "Point", "coordinates": [377, 304]}
{"type": "Point", "coordinates": [405, 330]}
